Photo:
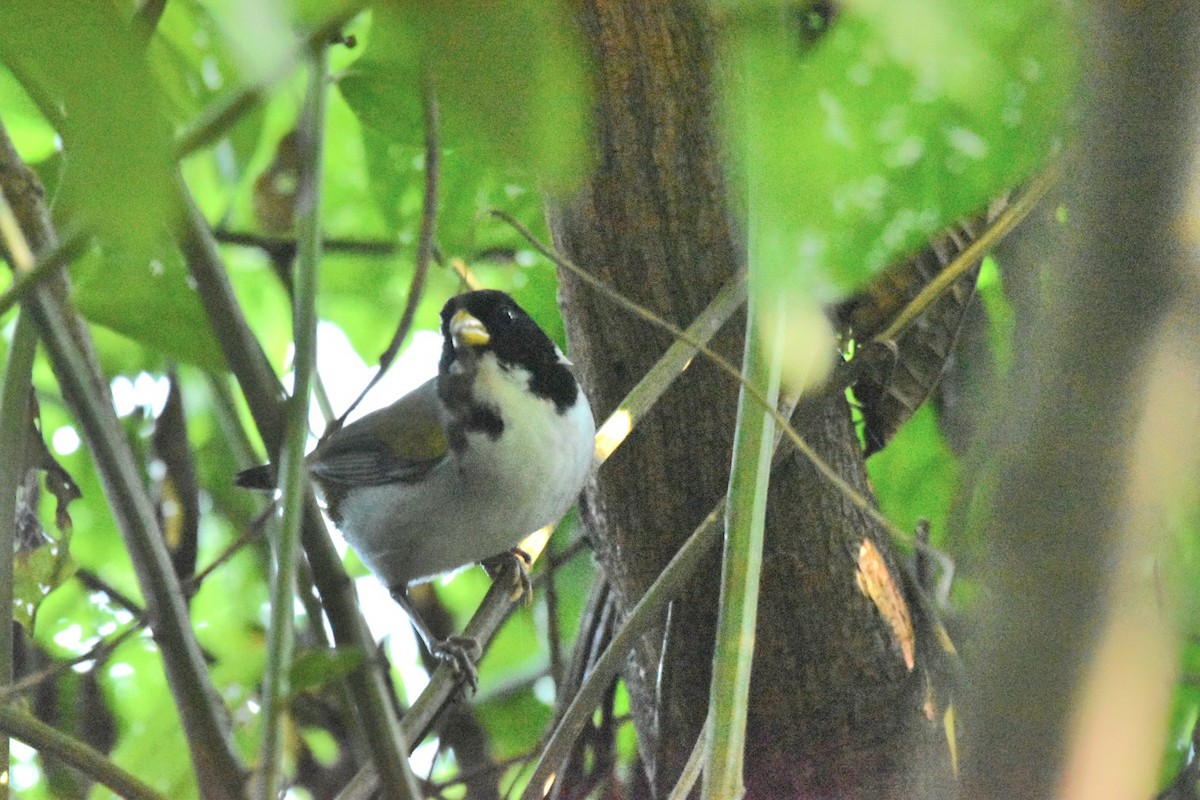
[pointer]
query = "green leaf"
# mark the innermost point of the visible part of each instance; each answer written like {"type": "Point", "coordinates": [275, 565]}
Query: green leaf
{"type": "Point", "coordinates": [136, 688]}
{"type": "Point", "coordinates": [30, 133]}
{"type": "Point", "coordinates": [1185, 714]}
{"type": "Point", "coordinates": [513, 721]}
{"type": "Point", "coordinates": [322, 667]}
{"type": "Point", "coordinates": [915, 476]}
{"type": "Point", "coordinates": [322, 744]}
{"type": "Point", "coordinates": [35, 575]}
{"type": "Point", "coordinates": [147, 299]}
{"type": "Point", "coordinates": [194, 66]}
{"type": "Point", "coordinates": [903, 117]}
{"type": "Point", "coordinates": [509, 78]}
{"type": "Point", "coordinates": [82, 63]}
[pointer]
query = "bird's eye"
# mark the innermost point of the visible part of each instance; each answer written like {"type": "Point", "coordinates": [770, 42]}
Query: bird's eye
{"type": "Point", "coordinates": [508, 314]}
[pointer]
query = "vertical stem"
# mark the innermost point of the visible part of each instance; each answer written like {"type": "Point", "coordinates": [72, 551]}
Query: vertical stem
{"type": "Point", "coordinates": [745, 518]}
{"type": "Point", "coordinates": [291, 461]}
{"type": "Point", "coordinates": [13, 430]}
{"type": "Point", "coordinates": [14, 407]}
{"type": "Point", "coordinates": [367, 684]}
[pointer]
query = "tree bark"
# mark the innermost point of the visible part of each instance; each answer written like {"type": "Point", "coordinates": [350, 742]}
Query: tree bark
{"type": "Point", "coordinates": [835, 711]}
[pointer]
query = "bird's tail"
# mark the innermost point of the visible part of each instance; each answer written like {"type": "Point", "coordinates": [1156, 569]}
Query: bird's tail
{"type": "Point", "coordinates": [260, 477]}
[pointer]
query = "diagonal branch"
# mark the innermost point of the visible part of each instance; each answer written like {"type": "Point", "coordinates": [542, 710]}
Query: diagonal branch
{"type": "Point", "coordinates": [72, 356]}
{"type": "Point", "coordinates": [856, 497]}
{"type": "Point", "coordinates": [264, 395]}
{"type": "Point", "coordinates": [42, 737]}
{"type": "Point", "coordinates": [425, 248]}
{"type": "Point", "coordinates": [499, 602]}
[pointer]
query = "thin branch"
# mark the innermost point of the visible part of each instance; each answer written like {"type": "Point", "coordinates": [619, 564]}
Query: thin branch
{"type": "Point", "coordinates": [669, 585]}
{"type": "Point", "coordinates": [72, 356]}
{"type": "Point", "coordinates": [96, 653]}
{"type": "Point", "coordinates": [45, 739]}
{"type": "Point", "coordinates": [66, 250]}
{"type": "Point", "coordinates": [425, 247]}
{"type": "Point", "coordinates": [1003, 225]}
{"type": "Point", "coordinates": [286, 248]}
{"type": "Point", "coordinates": [281, 635]}
{"type": "Point", "coordinates": [560, 557]}
{"type": "Point", "coordinates": [855, 497]}
{"type": "Point", "coordinates": [673, 362]}
{"type": "Point", "coordinates": [255, 532]}
{"type": "Point", "coordinates": [94, 583]}
{"type": "Point", "coordinates": [741, 563]}
{"type": "Point", "coordinates": [553, 634]}
{"type": "Point", "coordinates": [694, 766]}
{"type": "Point", "coordinates": [14, 432]}
{"type": "Point", "coordinates": [264, 395]}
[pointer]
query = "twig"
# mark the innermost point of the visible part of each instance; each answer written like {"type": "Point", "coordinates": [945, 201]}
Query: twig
{"type": "Point", "coordinates": [72, 357]}
{"type": "Point", "coordinates": [1009, 219]}
{"type": "Point", "coordinates": [264, 396]}
{"type": "Point", "coordinates": [287, 247]}
{"type": "Point", "coordinates": [96, 653]}
{"type": "Point", "coordinates": [553, 634]}
{"type": "Point", "coordinates": [691, 770]}
{"type": "Point", "coordinates": [40, 736]}
{"type": "Point", "coordinates": [66, 250]}
{"type": "Point", "coordinates": [650, 607]}
{"type": "Point", "coordinates": [292, 479]}
{"type": "Point", "coordinates": [14, 432]}
{"type": "Point", "coordinates": [669, 584]}
{"type": "Point", "coordinates": [425, 247]}
{"type": "Point", "coordinates": [251, 535]}
{"type": "Point", "coordinates": [853, 495]}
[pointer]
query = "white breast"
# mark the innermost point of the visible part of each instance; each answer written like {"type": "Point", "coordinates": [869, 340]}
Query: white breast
{"type": "Point", "coordinates": [485, 501]}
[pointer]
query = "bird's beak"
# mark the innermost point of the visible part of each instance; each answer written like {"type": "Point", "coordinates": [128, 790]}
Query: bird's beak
{"type": "Point", "coordinates": [467, 330]}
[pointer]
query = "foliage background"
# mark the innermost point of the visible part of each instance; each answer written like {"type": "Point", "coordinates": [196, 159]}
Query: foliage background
{"type": "Point", "coordinates": [944, 130]}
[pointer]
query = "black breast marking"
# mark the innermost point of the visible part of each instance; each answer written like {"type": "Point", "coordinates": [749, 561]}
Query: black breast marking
{"type": "Point", "coordinates": [473, 418]}
{"type": "Point", "coordinates": [555, 383]}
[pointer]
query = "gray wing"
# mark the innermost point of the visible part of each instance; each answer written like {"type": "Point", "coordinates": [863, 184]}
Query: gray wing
{"type": "Point", "coordinates": [400, 443]}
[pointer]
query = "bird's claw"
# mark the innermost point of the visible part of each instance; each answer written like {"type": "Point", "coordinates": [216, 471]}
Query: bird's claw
{"type": "Point", "coordinates": [460, 653]}
{"type": "Point", "coordinates": [520, 562]}
{"type": "Point", "coordinates": [524, 579]}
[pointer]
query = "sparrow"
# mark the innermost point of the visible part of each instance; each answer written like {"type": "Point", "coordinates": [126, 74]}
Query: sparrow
{"type": "Point", "coordinates": [464, 467]}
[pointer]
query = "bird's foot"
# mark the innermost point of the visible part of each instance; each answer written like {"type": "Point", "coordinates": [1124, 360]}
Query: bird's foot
{"type": "Point", "coordinates": [460, 653]}
{"type": "Point", "coordinates": [520, 562]}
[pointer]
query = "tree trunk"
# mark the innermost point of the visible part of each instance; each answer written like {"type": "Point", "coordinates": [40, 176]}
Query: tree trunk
{"type": "Point", "coordinates": [835, 710]}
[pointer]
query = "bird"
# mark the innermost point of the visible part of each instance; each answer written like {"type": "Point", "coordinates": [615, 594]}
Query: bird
{"type": "Point", "coordinates": [497, 445]}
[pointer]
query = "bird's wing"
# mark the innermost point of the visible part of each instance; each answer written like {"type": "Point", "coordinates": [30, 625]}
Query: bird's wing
{"type": "Point", "coordinates": [399, 443]}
